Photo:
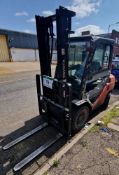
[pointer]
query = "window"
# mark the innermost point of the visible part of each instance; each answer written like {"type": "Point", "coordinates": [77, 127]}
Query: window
{"type": "Point", "coordinates": [78, 53]}
{"type": "Point", "coordinates": [97, 59]}
{"type": "Point", "coordinates": [106, 57]}
{"type": "Point", "coordinates": [117, 40]}
{"type": "Point", "coordinates": [101, 58]}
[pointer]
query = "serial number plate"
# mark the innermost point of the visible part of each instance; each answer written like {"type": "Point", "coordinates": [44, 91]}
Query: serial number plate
{"type": "Point", "coordinates": [47, 82]}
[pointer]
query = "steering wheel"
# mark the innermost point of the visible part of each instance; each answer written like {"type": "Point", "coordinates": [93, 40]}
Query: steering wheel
{"type": "Point", "coordinates": [79, 72]}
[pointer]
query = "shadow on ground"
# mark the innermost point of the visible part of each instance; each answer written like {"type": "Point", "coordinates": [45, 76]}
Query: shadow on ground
{"type": "Point", "coordinates": [10, 157]}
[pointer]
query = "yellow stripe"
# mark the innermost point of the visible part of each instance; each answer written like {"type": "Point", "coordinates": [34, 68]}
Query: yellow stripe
{"type": "Point", "coordinates": [4, 53]}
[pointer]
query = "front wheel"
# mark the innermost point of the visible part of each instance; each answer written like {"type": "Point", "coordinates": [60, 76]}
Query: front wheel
{"type": "Point", "coordinates": [79, 118]}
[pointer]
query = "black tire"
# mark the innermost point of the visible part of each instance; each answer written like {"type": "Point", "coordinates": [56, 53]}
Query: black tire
{"type": "Point", "coordinates": [106, 102]}
{"type": "Point", "coordinates": [79, 118]}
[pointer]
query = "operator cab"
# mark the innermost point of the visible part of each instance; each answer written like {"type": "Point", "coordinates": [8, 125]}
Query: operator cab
{"type": "Point", "coordinates": [95, 53]}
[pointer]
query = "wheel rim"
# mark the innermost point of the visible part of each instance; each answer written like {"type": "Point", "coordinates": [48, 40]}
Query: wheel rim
{"type": "Point", "coordinates": [82, 117]}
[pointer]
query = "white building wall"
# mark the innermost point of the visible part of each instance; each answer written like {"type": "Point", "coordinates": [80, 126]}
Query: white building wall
{"type": "Point", "coordinates": [18, 54]}
{"type": "Point", "coordinates": [54, 55]}
{"type": "Point", "coordinates": [23, 54]}
{"type": "Point", "coordinates": [37, 55]}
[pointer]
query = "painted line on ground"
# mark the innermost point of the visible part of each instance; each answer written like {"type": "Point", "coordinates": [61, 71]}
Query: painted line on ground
{"type": "Point", "coordinates": [72, 142]}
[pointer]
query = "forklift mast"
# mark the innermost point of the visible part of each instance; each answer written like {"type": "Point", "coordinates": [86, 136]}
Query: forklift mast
{"type": "Point", "coordinates": [44, 26]}
{"type": "Point", "coordinates": [55, 94]}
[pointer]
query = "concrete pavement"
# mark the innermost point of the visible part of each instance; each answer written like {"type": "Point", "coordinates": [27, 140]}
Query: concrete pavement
{"type": "Point", "coordinates": [15, 67]}
{"type": "Point", "coordinates": [7, 68]}
{"type": "Point", "coordinates": [90, 156]}
{"type": "Point", "coordinates": [114, 124]}
{"type": "Point", "coordinates": [97, 153]}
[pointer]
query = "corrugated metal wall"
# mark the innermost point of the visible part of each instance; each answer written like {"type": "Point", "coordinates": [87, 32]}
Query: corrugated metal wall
{"type": "Point", "coordinates": [20, 39]}
{"type": "Point", "coordinates": [4, 53]}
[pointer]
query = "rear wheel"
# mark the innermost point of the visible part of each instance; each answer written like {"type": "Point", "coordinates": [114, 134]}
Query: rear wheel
{"type": "Point", "coordinates": [79, 118]}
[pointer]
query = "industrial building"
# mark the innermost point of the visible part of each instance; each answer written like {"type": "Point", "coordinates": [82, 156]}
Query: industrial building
{"type": "Point", "coordinates": [114, 35]}
{"type": "Point", "coordinates": [19, 46]}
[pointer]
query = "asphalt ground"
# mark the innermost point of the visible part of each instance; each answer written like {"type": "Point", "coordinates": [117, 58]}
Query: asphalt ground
{"type": "Point", "coordinates": [18, 101]}
{"type": "Point", "coordinates": [19, 114]}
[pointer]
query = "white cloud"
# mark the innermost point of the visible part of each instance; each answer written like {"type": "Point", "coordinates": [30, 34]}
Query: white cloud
{"type": "Point", "coordinates": [84, 8]}
{"type": "Point", "coordinates": [23, 13]}
{"type": "Point", "coordinates": [47, 13]}
{"type": "Point", "coordinates": [92, 28]}
{"type": "Point", "coordinates": [31, 20]}
{"type": "Point", "coordinates": [27, 31]}
{"type": "Point", "coordinates": [77, 23]}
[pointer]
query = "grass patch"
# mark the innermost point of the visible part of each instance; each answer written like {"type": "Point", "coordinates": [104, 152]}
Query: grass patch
{"type": "Point", "coordinates": [46, 173]}
{"type": "Point", "coordinates": [110, 115]}
{"type": "Point", "coordinates": [106, 119]}
{"type": "Point", "coordinates": [95, 128]}
{"type": "Point", "coordinates": [56, 163]}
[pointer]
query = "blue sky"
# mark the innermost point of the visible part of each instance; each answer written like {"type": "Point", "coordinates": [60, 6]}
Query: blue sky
{"type": "Point", "coordinates": [94, 15]}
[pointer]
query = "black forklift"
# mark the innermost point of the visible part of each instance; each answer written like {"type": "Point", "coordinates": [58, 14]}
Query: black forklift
{"type": "Point", "coordinates": [80, 84]}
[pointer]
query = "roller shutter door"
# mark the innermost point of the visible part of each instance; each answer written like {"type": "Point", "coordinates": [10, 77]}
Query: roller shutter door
{"type": "Point", "coordinates": [22, 54]}
{"type": "Point", "coordinates": [4, 53]}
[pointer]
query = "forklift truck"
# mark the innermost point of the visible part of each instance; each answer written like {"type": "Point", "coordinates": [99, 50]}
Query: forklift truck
{"type": "Point", "coordinates": [81, 83]}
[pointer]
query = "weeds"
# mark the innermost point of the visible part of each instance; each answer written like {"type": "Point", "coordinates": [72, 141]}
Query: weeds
{"type": "Point", "coordinates": [106, 119]}
{"type": "Point", "coordinates": [55, 163]}
{"type": "Point", "coordinates": [110, 115]}
{"type": "Point", "coordinates": [95, 128]}
{"type": "Point", "coordinates": [46, 173]}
